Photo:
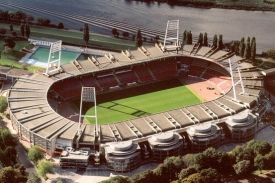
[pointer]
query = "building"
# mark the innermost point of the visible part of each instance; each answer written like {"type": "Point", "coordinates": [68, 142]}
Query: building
{"type": "Point", "coordinates": [203, 136]}
{"type": "Point", "coordinates": [242, 126]}
{"type": "Point", "coordinates": [165, 144]}
{"type": "Point", "coordinates": [122, 156]}
{"type": "Point", "coordinates": [74, 159]}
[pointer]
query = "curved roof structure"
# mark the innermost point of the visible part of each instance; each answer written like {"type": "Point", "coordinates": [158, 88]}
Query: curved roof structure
{"type": "Point", "coordinates": [39, 123]}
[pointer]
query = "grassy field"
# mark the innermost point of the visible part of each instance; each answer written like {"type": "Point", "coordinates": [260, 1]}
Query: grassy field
{"type": "Point", "coordinates": [144, 104]}
{"type": "Point", "coordinates": [76, 37]}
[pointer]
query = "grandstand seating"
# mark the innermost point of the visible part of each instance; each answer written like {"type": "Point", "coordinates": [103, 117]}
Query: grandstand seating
{"type": "Point", "coordinates": [143, 73]}
{"type": "Point", "coordinates": [196, 70]}
{"type": "Point", "coordinates": [163, 69]}
{"type": "Point", "coordinates": [127, 77]}
{"type": "Point", "coordinates": [200, 62]}
{"type": "Point", "coordinates": [68, 88]}
{"type": "Point", "coordinates": [90, 81]}
{"type": "Point", "coordinates": [106, 80]}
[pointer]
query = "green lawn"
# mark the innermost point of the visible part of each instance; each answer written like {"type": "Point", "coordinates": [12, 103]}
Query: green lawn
{"type": "Point", "coordinates": [76, 37]}
{"type": "Point", "coordinates": [145, 104]}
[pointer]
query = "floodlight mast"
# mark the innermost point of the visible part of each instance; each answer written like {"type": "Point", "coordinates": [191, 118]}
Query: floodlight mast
{"type": "Point", "coordinates": [55, 47]}
{"type": "Point", "coordinates": [88, 94]}
{"type": "Point", "coordinates": [233, 63]}
{"type": "Point", "coordinates": [172, 28]}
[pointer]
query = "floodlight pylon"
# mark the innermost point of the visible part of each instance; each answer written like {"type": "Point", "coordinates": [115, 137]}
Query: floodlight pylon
{"type": "Point", "coordinates": [171, 29]}
{"type": "Point", "coordinates": [234, 66]}
{"type": "Point", "coordinates": [88, 94]}
{"type": "Point", "coordinates": [55, 48]}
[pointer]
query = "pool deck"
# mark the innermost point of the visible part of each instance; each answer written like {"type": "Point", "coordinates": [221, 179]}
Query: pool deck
{"type": "Point", "coordinates": [71, 48]}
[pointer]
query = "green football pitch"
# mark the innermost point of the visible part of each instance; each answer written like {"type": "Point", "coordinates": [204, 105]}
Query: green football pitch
{"type": "Point", "coordinates": [151, 99]}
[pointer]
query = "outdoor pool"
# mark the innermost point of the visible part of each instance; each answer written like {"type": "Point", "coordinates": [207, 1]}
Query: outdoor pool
{"type": "Point", "coordinates": [40, 57]}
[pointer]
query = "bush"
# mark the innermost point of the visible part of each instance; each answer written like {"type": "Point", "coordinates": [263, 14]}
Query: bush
{"type": "Point", "coordinates": [33, 178]}
{"type": "Point", "coordinates": [35, 154]}
{"type": "Point", "coordinates": [3, 104]}
{"type": "Point", "coordinates": [44, 167]}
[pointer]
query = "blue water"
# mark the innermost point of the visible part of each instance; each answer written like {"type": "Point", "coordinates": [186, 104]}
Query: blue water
{"type": "Point", "coordinates": [41, 55]}
{"type": "Point", "coordinates": [232, 24]}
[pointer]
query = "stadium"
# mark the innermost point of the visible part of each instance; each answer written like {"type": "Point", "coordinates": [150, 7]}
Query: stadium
{"type": "Point", "coordinates": [35, 104]}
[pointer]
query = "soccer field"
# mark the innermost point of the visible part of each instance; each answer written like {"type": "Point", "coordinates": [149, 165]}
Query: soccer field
{"type": "Point", "coordinates": [144, 104]}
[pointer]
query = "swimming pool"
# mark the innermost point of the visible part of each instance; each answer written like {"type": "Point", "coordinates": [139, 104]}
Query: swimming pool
{"type": "Point", "coordinates": [40, 57]}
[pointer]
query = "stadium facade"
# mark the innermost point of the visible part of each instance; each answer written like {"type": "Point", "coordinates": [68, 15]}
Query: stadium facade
{"type": "Point", "coordinates": [34, 103]}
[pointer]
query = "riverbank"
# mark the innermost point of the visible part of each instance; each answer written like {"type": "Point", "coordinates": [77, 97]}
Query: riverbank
{"type": "Point", "coordinates": [251, 5]}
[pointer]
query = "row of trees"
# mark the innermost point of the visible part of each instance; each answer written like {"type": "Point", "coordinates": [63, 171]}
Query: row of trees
{"type": "Point", "coordinates": [209, 166]}
{"type": "Point", "coordinates": [126, 34]}
{"type": "Point", "coordinates": [10, 171]}
{"type": "Point", "coordinates": [37, 157]}
{"type": "Point", "coordinates": [244, 49]}
{"type": "Point", "coordinates": [203, 40]}
{"type": "Point", "coordinates": [19, 16]}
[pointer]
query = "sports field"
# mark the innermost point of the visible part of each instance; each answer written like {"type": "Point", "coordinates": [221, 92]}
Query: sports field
{"type": "Point", "coordinates": [137, 102]}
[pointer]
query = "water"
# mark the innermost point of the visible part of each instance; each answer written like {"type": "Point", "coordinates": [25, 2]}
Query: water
{"type": "Point", "coordinates": [40, 57]}
{"type": "Point", "coordinates": [232, 24]}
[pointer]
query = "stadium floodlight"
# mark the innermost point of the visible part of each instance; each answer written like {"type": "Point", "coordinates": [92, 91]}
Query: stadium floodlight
{"type": "Point", "coordinates": [171, 34]}
{"type": "Point", "coordinates": [234, 66]}
{"type": "Point", "coordinates": [88, 94]}
{"type": "Point", "coordinates": [54, 58]}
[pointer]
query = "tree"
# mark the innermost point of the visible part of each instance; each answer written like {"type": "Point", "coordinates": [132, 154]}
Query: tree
{"type": "Point", "coordinates": [205, 39]}
{"type": "Point", "coordinates": [43, 21]}
{"type": "Point", "coordinates": [117, 179]}
{"type": "Point", "coordinates": [60, 25]}
{"type": "Point", "coordinates": [195, 178]}
{"type": "Point", "coordinates": [184, 173]}
{"type": "Point", "coordinates": [6, 139]}
{"type": "Point", "coordinates": [3, 104]}
{"type": "Point", "coordinates": [125, 34]}
{"type": "Point", "coordinates": [86, 33]}
{"type": "Point", "coordinates": [189, 38]}
{"type": "Point", "coordinates": [22, 29]}
{"type": "Point", "coordinates": [2, 31]}
{"type": "Point", "coordinates": [14, 34]}
{"type": "Point", "coordinates": [33, 178]}
{"type": "Point", "coordinates": [29, 18]}
{"type": "Point", "coordinates": [270, 159]}
{"type": "Point", "coordinates": [138, 38]}
{"type": "Point", "coordinates": [253, 49]}
{"type": "Point", "coordinates": [8, 175]}
{"type": "Point", "coordinates": [47, 22]}
{"type": "Point", "coordinates": [259, 147]}
{"type": "Point", "coordinates": [200, 40]}
{"type": "Point", "coordinates": [9, 43]}
{"type": "Point", "coordinates": [273, 147]}
{"type": "Point", "coordinates": [243, 167]}
{"type": "Point", "coordinates": [145, 176]}
{"type": "Point", "coordinates": [115, 32]}
{"type": "Point", "coordinates": [210, 175]}
{"type": "Point", "coordinates": [215, 41]}
{"type": "Point", "coordinates": [247, 50]}
{"type": "Point", "coordinates": [10, 154]}
{"type": "Point", "coordinates": [157, 38]}
{"type": "Point", "coordinates": [28, 31]}
{"type": "Point", "coordinates": [260, 162]}
{"type": "Point", "coordinates": [220, 43]}
{"type": "Point", "coordinates": [19, 15]}
{"type": "Point", "coordinates": [241, 47]}
{"type": "Point", "coordinates": [35, 154]}
{"type": "Point", "coordinates": [44, 167]}
{"type": "Point", "coordinates": [184, 37]}
{"type": "Point", "coordinates": [11, 27]}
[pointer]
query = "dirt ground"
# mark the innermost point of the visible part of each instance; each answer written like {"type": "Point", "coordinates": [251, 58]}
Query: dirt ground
{"type": "Point", "coordinates": [199, 86]}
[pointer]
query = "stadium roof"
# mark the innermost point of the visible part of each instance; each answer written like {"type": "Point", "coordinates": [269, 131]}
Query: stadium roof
{"type": "Point", "coordinates": [28, 100]}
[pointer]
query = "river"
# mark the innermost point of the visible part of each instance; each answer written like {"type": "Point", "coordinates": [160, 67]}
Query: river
{"type": "Point", "coordinates": [151, 18]}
